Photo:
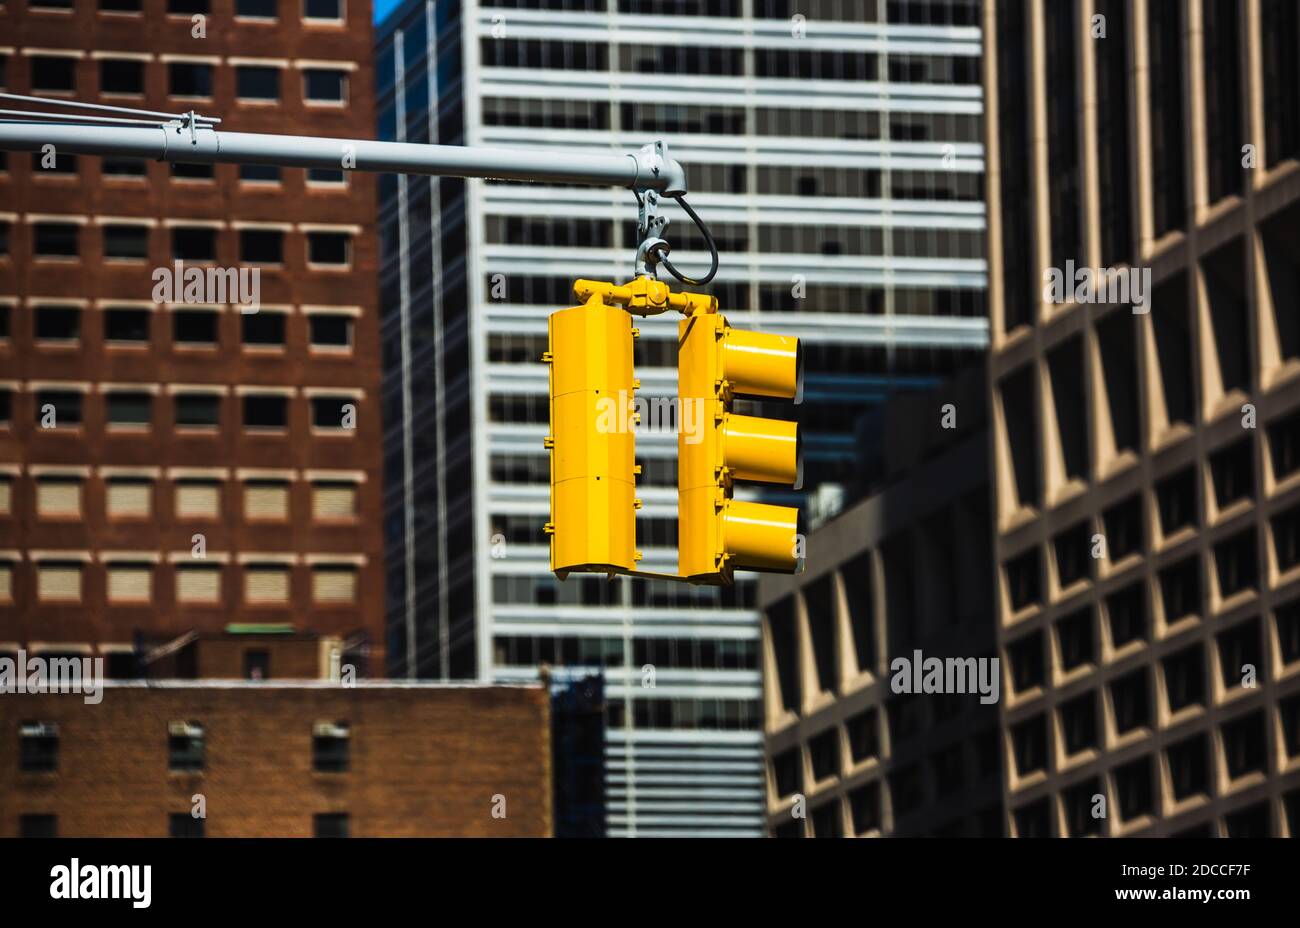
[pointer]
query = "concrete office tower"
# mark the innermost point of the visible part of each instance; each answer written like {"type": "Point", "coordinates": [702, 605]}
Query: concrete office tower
{"type": "Point", "coordinates": [1147, 458]}
{"type": "Point", "coordinates": [171, 461]}
{"type": "Point", "coordinates": [834, 148]}
{"type": "Point", "coordinates": [905, 570]}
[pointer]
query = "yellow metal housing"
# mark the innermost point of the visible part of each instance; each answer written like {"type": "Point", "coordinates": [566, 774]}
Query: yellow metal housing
{"type": "Point", "coordinates": [592, 440]}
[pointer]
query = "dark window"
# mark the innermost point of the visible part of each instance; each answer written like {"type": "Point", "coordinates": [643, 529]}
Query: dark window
{"type": "Point", "coordinates": [38, 747]}
{"type": "Point", "coordinates": [194, 243]}
{"type": "Point", "coordinates": [261, 246]}
{"type": "Point", "coordinates": [819, 599]}
{"type": "Point", "coordinates": [864, 806]}
{"type": "Point", "coordinates": [824, 751]}
{"type": "Point", "coordinates": [1250, 822]}
{"type": "Point", "coordinates": [1223, 131]}
{"type": "Point", "coordinates": [257, 83]}
{"type": "Point", "coordinates": [863, 736]}
{"type": "Point", "coordinates": [197, 409]}
{"type": "Point", "coordinates": [124, 167]}
{"type": "Point", "coordinates": [1029, 745]}
{"type": "Point", "coordinates": [1180, 589]}
{"type": "Point", "coordinates": [121, 75]}
{"type": "Point", "coordinates": [262, 328]}
{"type": "Point", "coordinates": [1165, 43]}
{"type": "Point", "coordinates": [185, 746]}
{"type": "Point", "coordinates": [1079, 723]}
{"type": "Point", "coordinates": [189, 79]}
{"type": "Point", "coordinates": [1113, 158]}
{"type": "Point", "coordinates": [1061, 35]}
{"type": "Point", "coordinates": [1034, 820]}
{"type": "Point", "coordinates": [1237, 564]}
{"type": "Point", "coordinates": [1286, 539]}
{"type": "Point", "coordinates": [1176, 500]}
{"type": "Point", "coordinates": [259, 173]}
{"type": "Point", "coordinates": [330, 747]}
{"type": "Point", "coordinates": [1117, 341]}
{"type": "Point", "coordinates": [58, 323]}
{"type": "Point", "coordinates": [327, 412]}
{"type": "Point", "coordinates": [1128, 615]}
{"type": "Point", "coordinates": [331, 330]}
{"type": "Point", "coordinates": [1189, 770]}
{"type": "Point", "coordinates": [1019, 405]}
{"type": "Point", "coordinates": [195, 326]}
{"type": "Point", "coordinates": [263, 9]}
{"type": "Point", "coordinates": [1244, 745]}
{"type": "Point", "coordinates": [324, 85]}
{"type": "Point", "coordinates": [1185, 678]}
{"type": "Point", "coordinates": [186, 7]}
{"type": "Point", "coordinates": [62, 163]}
{"type": "Point", "coordinates": [266, 411]}
{"type": "Point", "coordinates": [331, 825]}
{"type": "Point", "coordinates": [54, 74]}
{"type": "Point", "coordinates": [1284, 446]}
{"type": "Point", "coordinates": [129, 408]}
{"type": "Point", "coordinates": [325, 176]}
{"type": "Point", "coordinates": [1240, 649]}
{"type": "Point", "coordinates": [1130, 696]}
{"type": "Point", "coordinates": [1024, 580]}
{"type": "Point", "coordinates": [1066, 367]}
{"type": "Point", "coordinates": [121, 6]}
{"type": "Point", "coordinates": [1233, 469]}
{"type": "Point", "coordinates": [826, 821]}
{"type": "Point", "coordinates": [1076, 640]}
{"type": "Point", "coordinates": [786, 772]}
{"type": "Point", "coordinates": [1123, 526]}
{"type": "Point", "coordinates": [1289, 715]}
{"type": "Point", "coordinates": [185, 825]}
{"type": "Point", "coordinates": [38, 826]}
{"type": "Point", "coordinates": [323, 9]}
{"type": "Point", "coordinates": [1278, 34]}
{"type": "Point", "coordinates": [66, 407]}
{"type": "Point", "coordinates": [1133, 785]}
{"type": "Point", "coordinates": [329, 247]}
{"type": "Point", "coordinates": [1173, 342]}
{"type": "Point", "coordinates": [1073, 549]}
{"type": "Point", "coordinates": [257, 664]}
{"type": "Point", "coordinates": [128, 242]}
{"type": "Point", "coordinates": [126, 325]}
{"type": "Point", "coordinates": [1079, 804]}
{"type": "Point", "coordinates": [1226, 279]}
{"type": "Point", "coordinates": [1027, 666]}
{"type": "Point", "coordinates": [1020, 282]}
{"type": "Point", "coordinates": [55, 239]}
{"type": "Point", "coordinates": [785, 645]}
{"type": "Point", "coordinates": [183, 171]}
{"type": "Point", "coordinates": [1288, 633]}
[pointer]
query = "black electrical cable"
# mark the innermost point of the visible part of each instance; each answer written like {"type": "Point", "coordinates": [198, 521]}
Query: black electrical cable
{"type": "Point", "coordinates": [713, 250]}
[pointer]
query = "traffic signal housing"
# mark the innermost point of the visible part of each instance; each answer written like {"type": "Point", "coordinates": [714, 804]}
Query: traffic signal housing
{"type": "Point", "coordinates": [592, 440]}
{"type": "Point", "coordinates": [716, 533]}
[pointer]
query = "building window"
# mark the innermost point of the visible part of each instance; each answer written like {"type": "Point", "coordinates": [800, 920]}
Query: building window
{"type": "Point", "coordinates": [58, 408]}
{"type": "Point", "coordinates": [185, 825]}
{"type": "Point", "coordinates": [200, 172]}
{"type": "Point", "coordinates": [1185, 679]}
{"type": "Point", "coordinates": [129, 498]}
{"type": "Point", "coordinates": [1189, 773]}
{"type": "Point", "coordinates": [194, 243]}
{"type": "Point", "coordinates": [55, 239]}
{"type": "Point", "coordinates": [334, 584]}
{"type": "Point", "coordinates": [126, 326]}
{"type": "Point", "coordinates": [331, 331]}
{"type": "Point", "coordinates": [266, 411]}
{"type": "Point", "coordinates": [1029, 745]}
{"type": "Point", "coordinates": [121, 76]}
{"type": "Point", "coordinates": [198, 499]}
{"type": "Point", "coordinates": [198, 584]}
{"type": "Point", "coordinates": [126, 242]}
{"type": "Point", "coordinates": [333, 500]}
{"type": "Point", "coordinates": [1245, 745]}
{"type": "Point", "coordinates": [330, 10]}
{"type": "Point", "coordinates": [57, 323]}
{"type": "Point", "coordinates": [1133, 787]}
{"type": "Point", "coordinates": [257, 83]}
{"type": "Point", "coordinates": [1079, 723]}
{"type": "Point", "coordinates": [38, 747]}
{"type": "Point", "coordinates": [259, 174]}
{"type": "Point", "coordinates": [262, 329]}
{"type": "Point", "coordinates": [185, 746]}
{"type": "Point", "coordinates": [1176, 502]}
{"type": "Point", "coordinates": [130, 583]}
{"type": "Point", "coordinates": [332, 412]}
{"type": "Point", "coordinates": [257, 9]}
{"type": "Point", "coordinates": [326, 176]}
{"type": "Point", "coordinates": [189, 79]}
{"type": "Point", "coordinates": [331, 825]}
{"type": "Point", "coordinates": [1237, 564]}
{"type": "Point", "coordinates": [187, 7]}
{"type": "Point", "coordinates": [198, 410]}
{"type": "Point", "coordinates": [324, 85]}
{"type": "Point", "coordinates": [124, 168]}
{"type": "Point", "coordinates": [1027, 667]}
{"type": "Point", "coordinates": [329, 248]}
{"type": "Point", "coordinates": [53, 74]}
{"type": "Point", "coordinates": [330, 747]}
{"type": "Point", "coordinates": [266, 499]}
{"type": "Point", "coordinates": [58, 497]}
{"type": "Point", "coordinates": [193, 327]}
{"type": "Point", "coordinates": [130, 409]}
{"type": "Point", "coordinates": [266, 584]}
{"type": "Point", "coordinates": [41, 825]}
{"type": "Point", "coordinates": [261, 246]}
{"type": "Point", "coordinates": [257, 664]}
{"type": "Point", "coordinates": [62, 163]}
{"type": "Point", "coordinates": [786, 775]}
{"type": "Point", "coordinates": [58, 581]}
{"type": "Point", "coordinates": [863, 736]}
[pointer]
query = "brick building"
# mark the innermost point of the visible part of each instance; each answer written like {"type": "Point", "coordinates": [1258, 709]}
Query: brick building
{"type": "Point", "coordinates": [278, 759]}
{"type": "Point", "coordinates": [176, 466]}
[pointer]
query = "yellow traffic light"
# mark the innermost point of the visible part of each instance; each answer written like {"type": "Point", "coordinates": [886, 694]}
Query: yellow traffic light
{"type": "Point", "coordinates": [717, 534]}
{"type": "Point", "coordinates": [592, 440]}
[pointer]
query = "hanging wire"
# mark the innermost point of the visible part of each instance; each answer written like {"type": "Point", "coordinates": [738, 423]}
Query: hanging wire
{"type": "Point", "coordinates": [713, 250]}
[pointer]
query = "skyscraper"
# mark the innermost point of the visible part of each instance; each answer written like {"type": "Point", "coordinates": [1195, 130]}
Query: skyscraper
{"type": "Point", "coordinates": [1146, 451]}
{"type": "Point", "coordinates": [174, 462]}
{"type": "Point", "coordinates": [834, 151]}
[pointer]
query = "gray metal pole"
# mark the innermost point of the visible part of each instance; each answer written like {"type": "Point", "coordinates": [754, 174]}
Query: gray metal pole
{"type": "Point", "coordinates": [648, 169]}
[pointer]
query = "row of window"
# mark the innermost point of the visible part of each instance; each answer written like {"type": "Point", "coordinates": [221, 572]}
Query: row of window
{"type": "Point", "coordinates": [327, 11]}
{"type": "Point", "coordinates": [130, 241]}
{"type": "Point", "coordinates": [196, 583]}
{"type": "Point", "coordinates": [62, 166]}
{"type": "Point", "coordinates": [910, 12]}
{"type": "Point", "coordinates": [196, 408]}
{"type": "Point", "coordinates": [56, 73]}
{"type": "Point", "coordinates": [184, 825]}
{"type": "Point", "coordinates": [264, 499]}
{"type": "Point", "coordinates": [674, 653]}
{"type": "Point", "coordinates": [123, 326]}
